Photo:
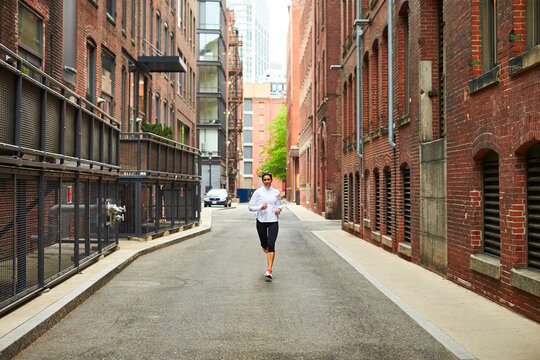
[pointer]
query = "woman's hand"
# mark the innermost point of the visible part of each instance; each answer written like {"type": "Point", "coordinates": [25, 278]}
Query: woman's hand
{"type": "Point", "coordinates": [278, 211]}
{"type": "Point", "coordinates": [264, 206]}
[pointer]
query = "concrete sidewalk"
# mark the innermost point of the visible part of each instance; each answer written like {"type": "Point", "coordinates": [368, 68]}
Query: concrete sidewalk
{"type": "Point", "coordinates": [22, 326]}
{"type": "Point", "coordinates": [467, 324]}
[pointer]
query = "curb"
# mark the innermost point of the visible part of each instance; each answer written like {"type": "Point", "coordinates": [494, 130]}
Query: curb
{"type": "Point", "coordinates": [18, 339]}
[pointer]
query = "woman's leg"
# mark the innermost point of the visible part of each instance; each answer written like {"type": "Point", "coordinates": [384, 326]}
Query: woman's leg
{"type": "Point", "coordinates": [273, 230]}
{"type": "Point", "coordinates": [262, 230]}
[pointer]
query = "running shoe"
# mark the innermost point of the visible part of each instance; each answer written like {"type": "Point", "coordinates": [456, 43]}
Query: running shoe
{"type": "Point", "coordinates": [265, 250]}
{"type": "Point", "coordinates": [268, 273]}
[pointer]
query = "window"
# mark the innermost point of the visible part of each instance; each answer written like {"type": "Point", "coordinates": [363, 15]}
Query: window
{"type": "Point", "coordinates": [209, 14]}
{"type": "Point", "coordinates": [144, 26]}
{"type": "Point", "coordinates": [247, 105]}
{"type": "Point", "coordinates": [248, 183]}
{"type": "Point", "coordinates": [248, 168]}
{"type": "Point", "coordinates": [208, 47]}
{"type": "Point", "coordinates": [124, 15]}
{"type": "Point", "coordinates": [346, 198]}
{"type": "Point", "coordinates": [166, 40]}
{"type": "Point", "coordinates": [107, 82]}
{"type": "Point", "coordinates": [357, 198]}
{"type": "Point", "coordinates": [491, 228]}
{"type": "Point", "coordinates": [488, 34]}
{"type": "Point", "coordinates": [158, 32]}
{"type": "Point", "coordinates": [248, 136]}
{"type": "Point", "coordinates": [90, 72]}
{"type": "Point", "coordinates": [247, 120]}
{"type": "Point", "coordinates": [350, 200]}
{"type": "Point", "coordinates": [261, 135]}
{"type": "Point", "coordinates": [165, 114]}
{"type": "Point", "coordinates": [248, 152]}
{"type": "Point", "coordinates": [261, 119]}
{"type": "Point", "coordinates": [30, 37]}
{"type": "Point", "coordinates": [111, 9]}
{"type": "Point", "coordinates": [261, 105]}
{"type": "Point", "coordinates": [406, 173]}
{"type": "Point", "coordinates": [406, 62]}
{"type": "Point", "coordinates": [179, 13]}
{"type": "Point", "coordinates": [532, 20]}
{"type": "Point", "coordinates": [123, 101]}
{"type": "Point", "coordinates": [208, 79]}
{"type": "Point", "coordinates": [69, 41]}
{"type": "Point", "coordinates": [158, 107]}
{"type": "Point", "coordinates": [133, 20]}
{"type": "Point", "coordinates": [533, 207]}
{"type": "Point", "coordinates": [208, 110]}
{"type": "Point", "coordinates": [377, 202]}
{"type": "Point", "coordinates": [388, 201]}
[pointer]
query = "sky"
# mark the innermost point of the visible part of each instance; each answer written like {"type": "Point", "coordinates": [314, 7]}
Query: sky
{"type": "Point", "coordinates": [279, 22]}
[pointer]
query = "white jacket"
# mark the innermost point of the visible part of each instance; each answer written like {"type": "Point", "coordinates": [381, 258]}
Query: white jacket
{"type": "Point", "coordinates": [269, 196]}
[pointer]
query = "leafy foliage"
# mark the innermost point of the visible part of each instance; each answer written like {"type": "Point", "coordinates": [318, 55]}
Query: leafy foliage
{"type": "Point", "coordinates": [274, 152]}
{"type": "Point", "coordinates": [157, 129]}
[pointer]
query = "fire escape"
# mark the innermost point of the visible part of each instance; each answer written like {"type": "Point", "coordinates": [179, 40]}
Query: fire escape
{"type": "Point", "coordinates": [235, 100]}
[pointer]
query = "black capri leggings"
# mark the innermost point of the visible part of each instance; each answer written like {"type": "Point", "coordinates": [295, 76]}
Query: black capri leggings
{"type": "Point", "coordinates": [268, 234]}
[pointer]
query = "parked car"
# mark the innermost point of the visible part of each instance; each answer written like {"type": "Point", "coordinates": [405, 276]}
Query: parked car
{"type": "Point", "coordinates": [217, 197]}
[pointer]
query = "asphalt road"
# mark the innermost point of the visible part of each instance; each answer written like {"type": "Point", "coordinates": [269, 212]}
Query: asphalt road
{"type": "Point", "coordinates": [207, 298]}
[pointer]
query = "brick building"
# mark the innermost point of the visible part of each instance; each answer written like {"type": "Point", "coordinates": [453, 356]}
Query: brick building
{"type": "Point", "coordinates": [439, 136]}
{"type": "Point", "coordinates": [319, 154]}
{"type": "Point", "coordinates": [261, 107]}
{"type": "Point", "coordinates": [293, 122]}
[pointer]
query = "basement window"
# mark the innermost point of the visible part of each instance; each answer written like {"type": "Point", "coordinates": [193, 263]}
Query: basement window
{"type": "Point", "coordinates": [388, 201]}
{"type": "Point", "coordinates": [377, 202]}
{"type": "Point", "coordinates": [491, 214]}
{"type": "Point", "coordinates": [345, 199]}
{"type": "Point", "coordinates": [406, 172]}
{"type": "Point", "coordinates": [533, 207]}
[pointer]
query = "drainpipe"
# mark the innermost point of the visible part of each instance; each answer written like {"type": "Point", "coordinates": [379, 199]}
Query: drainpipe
{"type": "Point", "coordinates": [359, 84]}
{"type": "Point", "coordinates": [390, 76]}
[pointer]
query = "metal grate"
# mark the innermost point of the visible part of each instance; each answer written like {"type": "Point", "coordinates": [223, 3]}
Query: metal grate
{"type": "Point", "coordinates": [7, 105]}
{"type": "Point", "coordinates": [492, 233]}
{"type": "Point", "coordinates": [407, 204]}
{"type": "Point", "coordinates": [533, 206]}
{"type": "Point", "coordinates": [7, 237]}
{"type": "Point", "coordinates": [345, 199]}
{"type": "Point", "coordinates": [377, 202]}
{"type": "Point", "coordinates": [51, 226]}
{"type": "Point", "coordinates": [52, 128]}
{"type": "Point", "coordinates": [30, 116]}
{"type": "Point", "coordinates": [388, 202]}
{"type": "Point", "coordinates": [357, 199]}
{"type": "Point", "coordinates": [351, 198]}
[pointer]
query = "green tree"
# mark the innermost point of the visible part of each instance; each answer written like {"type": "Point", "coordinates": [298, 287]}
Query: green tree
{"type": "Point", "coordinates": [274, 152]}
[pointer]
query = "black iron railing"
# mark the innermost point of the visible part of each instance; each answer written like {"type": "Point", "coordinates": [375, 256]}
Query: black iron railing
{"type": "Point", "coordinates": [59, 165]}
{"type": "Point", "coordinates": [45, 124]}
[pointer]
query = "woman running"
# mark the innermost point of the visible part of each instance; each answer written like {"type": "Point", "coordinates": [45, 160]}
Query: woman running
{"type": "Point", "coordinates": [266, 202]}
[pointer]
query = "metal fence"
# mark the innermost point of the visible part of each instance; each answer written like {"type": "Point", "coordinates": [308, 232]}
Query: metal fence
{"type": "Point", "coordinates": [58, 170]}
{"type": "Point", "coordinates": [160, 184]}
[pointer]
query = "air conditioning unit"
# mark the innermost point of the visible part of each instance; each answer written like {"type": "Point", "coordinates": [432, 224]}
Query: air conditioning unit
{"type": "Point", "coordinates": [203, 147]}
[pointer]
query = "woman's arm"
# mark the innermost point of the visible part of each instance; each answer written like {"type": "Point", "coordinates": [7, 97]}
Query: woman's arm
{"type": "Point", "coordinates": [254, 202]}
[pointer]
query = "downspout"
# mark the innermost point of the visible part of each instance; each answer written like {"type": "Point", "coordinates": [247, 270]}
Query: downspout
{"type": "Point", "coordinates": [359, 84]}
{"type": "Point", "coordinates": [390, 76]}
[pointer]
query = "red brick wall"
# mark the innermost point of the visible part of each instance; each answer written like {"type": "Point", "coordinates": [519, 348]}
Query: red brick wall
{"type": "Point", "coordinates": [503, 117]}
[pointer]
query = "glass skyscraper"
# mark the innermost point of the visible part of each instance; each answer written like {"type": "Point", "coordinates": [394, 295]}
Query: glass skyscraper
{"type": "Point", "coordinates": [252, 22]}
